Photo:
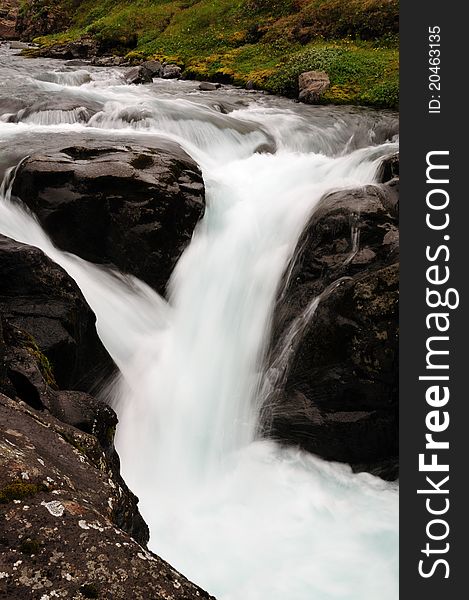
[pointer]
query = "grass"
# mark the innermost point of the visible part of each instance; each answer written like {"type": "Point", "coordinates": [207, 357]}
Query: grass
{"type": "Point", "coordinates": [266, 41]}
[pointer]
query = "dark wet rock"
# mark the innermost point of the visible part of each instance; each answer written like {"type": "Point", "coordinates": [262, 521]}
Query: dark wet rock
{"type": "Point", "coordinates": [337, 385]}
{"type": "Point", "coordinates": [137, 75]}
{"type": "Point", "coordinates": [48, 322]}
{"type": "Point", "coordinates": [312, 86]}
{"type": "Point", "coordinates": [250, 85]}
{"type": "Point", "coordinates": [69, 524]}
{"type": "Point", "coordinates": [40, 309]}
{"type": "Point", "coordinates": [86, 413]}
{"type": "Point", "coordinates": [128, 206]}
{"type": "Point", "coordinates": [27, 373]}
{"type": "Point", "coordinates": [390, 169]}
{"type": "Point", "coordinates": [206, 86]}
{"type": "Point", "coordinates": [171, 71]}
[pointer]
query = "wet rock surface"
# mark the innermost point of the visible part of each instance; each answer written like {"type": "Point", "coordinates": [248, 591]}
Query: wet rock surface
{"type": "Point", "coordinates": [66, 532]}
{"type": "Point", "coordinates": [47, 318]}
{"type": "Point", "coordinates": [123, 205]}
{"type": "Point", "coordinates": [336, 326]}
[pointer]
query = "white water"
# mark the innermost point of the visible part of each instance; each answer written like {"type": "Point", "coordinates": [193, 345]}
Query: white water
{"type": "Point", "coordinates": [242, 517]}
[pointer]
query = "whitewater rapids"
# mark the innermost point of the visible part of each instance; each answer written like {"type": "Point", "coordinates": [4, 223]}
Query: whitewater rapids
{"type": "Point", "coordinates": [240, 516]}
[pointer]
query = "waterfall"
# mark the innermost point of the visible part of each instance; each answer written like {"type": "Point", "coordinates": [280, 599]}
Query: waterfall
{"type": "Point", "coordinates": [239, 515]}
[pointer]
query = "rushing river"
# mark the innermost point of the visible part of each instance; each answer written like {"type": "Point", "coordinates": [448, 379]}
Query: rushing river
{"type": "Point", "coordinates": [240, 516]}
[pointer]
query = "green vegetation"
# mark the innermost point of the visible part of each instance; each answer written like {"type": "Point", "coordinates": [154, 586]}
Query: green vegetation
{"type": "Point", "coordinates": [30, 546]}
{"type": "Point", "coordinates": [266, 41]}
{"type": "Point", "coordinates": [19, 490]}
{"type": "Point", "coordinates": [89, 590]}
{"type": "Point", "coordinates": [43, 363]}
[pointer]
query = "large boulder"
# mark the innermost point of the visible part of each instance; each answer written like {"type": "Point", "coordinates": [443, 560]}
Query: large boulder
{"type": "Point", "coordinates": [49, 318]}
{"type": "Point", "coordinates": [154, 67]}
{"type": "Point", "coordinates": [128, 206]}
{"type": "Point", "coordinates": [68, 521]}
{"type": "Point", "coordinates": [171, 71]}
{"type": "Point", "coordinates": [333, 371]}
{"type": "Point", "coordinates": [137, 75]}
{"type": "Point", "coordinates": [312, 86]}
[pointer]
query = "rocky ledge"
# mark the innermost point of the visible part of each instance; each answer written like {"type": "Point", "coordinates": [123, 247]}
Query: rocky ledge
{"type": "Point", "coordinates": [334, 351]}
{"type": "Point", "coordinates": [65, 530]}
{"type": "Point", "coordinates": [70, 526]}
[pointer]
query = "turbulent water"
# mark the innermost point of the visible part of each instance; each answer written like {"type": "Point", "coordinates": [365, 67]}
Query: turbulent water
{"type": "Point", "coordinates": [240, 516]}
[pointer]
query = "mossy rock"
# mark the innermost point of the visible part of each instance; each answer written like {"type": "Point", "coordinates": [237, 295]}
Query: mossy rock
{"type": "Point", "coordinates": [19, 490]}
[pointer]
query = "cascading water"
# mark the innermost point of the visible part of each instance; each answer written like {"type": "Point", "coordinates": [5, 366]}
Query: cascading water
{"type": "Point", "coordinates": [241, 516]}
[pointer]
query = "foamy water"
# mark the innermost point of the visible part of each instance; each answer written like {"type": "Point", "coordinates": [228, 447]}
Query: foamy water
{"type": "Point", "coordinates": [240, 516]}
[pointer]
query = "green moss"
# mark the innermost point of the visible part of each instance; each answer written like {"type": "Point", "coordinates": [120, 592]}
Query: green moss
{"type": "Point", "coordinates": [30, 546]}
{"type": "Point", "coordinates": [72, 35]}
{"type": "Point", "coordinates": [90, 590]}
{"type": "Point", "coordinates": [135, 56]}
{"type": "Point", "coordinates": [42, 361]}
{"type": "Point", "coordinates": [267, 41]}
{"type": "Point", "coordinates": [44, 366]}
{"type": "Point", "coordinates": [75, 443]}
{"type": "Point", "coordinates": [359, 73]}
{"type": "Point", "coordinates": [19, 490]}
{"type": "Point", "coordinates": [110, 434]}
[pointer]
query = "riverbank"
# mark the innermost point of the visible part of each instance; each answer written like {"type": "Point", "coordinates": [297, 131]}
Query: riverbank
{"type": "Point", "coordinates": [265, 44]}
